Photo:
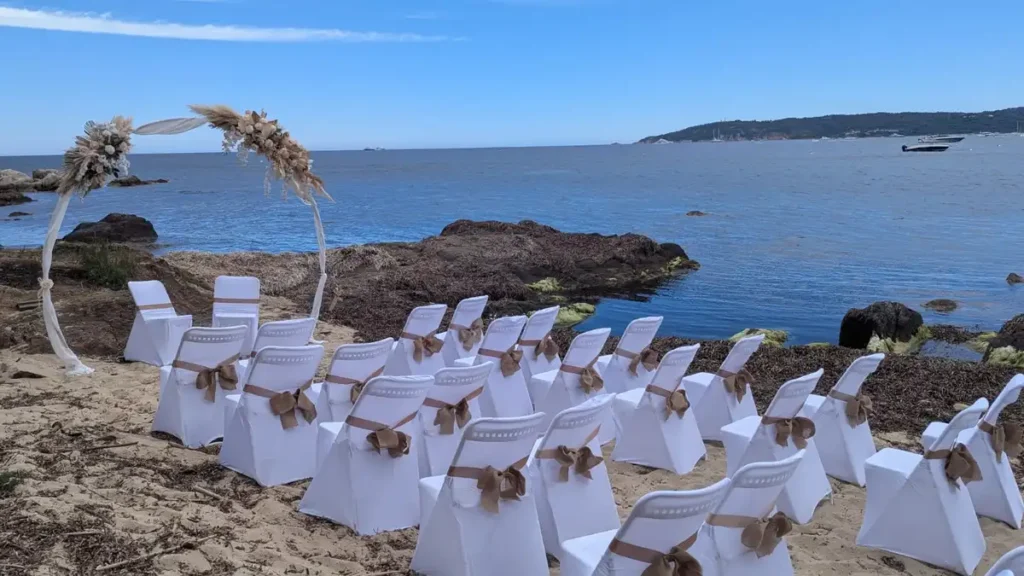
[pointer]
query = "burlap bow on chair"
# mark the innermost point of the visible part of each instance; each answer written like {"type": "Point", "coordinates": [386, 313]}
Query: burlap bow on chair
{"type": "Point", "coordinates": [470, 335]}
{"type": "Point", "coordinates": [508, 361]}
{"type": "Point", "coordinates": [676, 562]}
{"type": "Point", "coordinates": [960, 463]}
{"type": "Point", "coordinates": [429, 345]}
{"type": "Point", "coordinates": [858, 407]}
{"type": "Point", "coordinates": [1004, 438]}
{"type": "Point", "coordinates": [207, 378]}
{"type": "Point", "coordinates": [495, 485]}
{"type": "Point", "coordinates": [736, 382]}
{"type": "Point", "coordinates": [581, 460]}
{"type": "Point", "coordinates": [763, 536]}
{"type": "Point", "coordinates": [449, 415]}
{"type": "Point", "coordinates": [546, 346]}
{"type": "Point", "coordinates": [590, 379]}
{"type": "Point", "coordinates": [285, 404]}
{"type": "Point", "coordinates": [357, 386]}
{"type": "Point", "coordinates": [800, 429]}
{"type": "Point", "coordinates": [676, 403]}
{"type": "Point", "coordinates": [648, 357]}
{"type": "Point", "coordinates": [396, 443]}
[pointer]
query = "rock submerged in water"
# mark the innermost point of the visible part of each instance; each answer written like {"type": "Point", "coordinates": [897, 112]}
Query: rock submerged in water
{"type": "Point", "coordinates": [944, 305]}
{"type": "Point", "coordinates": [1014, 278]}
{"type": "Point", "coordinates": [1007, 346]}
{"type": "Point", "coordinates": [129, 181]}
{"type": "Point", "coordinates": [884, 320]}
{"type": "Point", "coordinates": [771, 337]}
{"type": "Point", "coordinates": [696, 213]}
{"type": "Point", "coordinates": [42, 180]}
{"type": "Point", "coordinates": [114, 228]}
{"type": "Point", "coordinates": [13, 198]}
{"type": "Point", "coordinates": [16, 214]}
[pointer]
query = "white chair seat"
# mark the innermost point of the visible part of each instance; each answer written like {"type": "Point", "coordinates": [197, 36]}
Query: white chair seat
{"type": "Point", "coordinates": [602, 362]}
{"type": "Point", "coordinates": [540, 384]}
{"type": "Point", "coordinates": [430, 489]}
{"type": "Point", "coordinates": [932, 433]}
{"type": "Point", "coordinates": [696, 385]}
{"type": "Point", "coordinates": [623, 406]}
{"type": "Point", "coordinates": [580, 556]}
{"type": "Point", "coordinates": [465, 362]}
{"type": "Point", "coordinates": [325, 436]}
{"type": "Point", "coordinates": [736, 437]}
{"type": "Point", "coordinates": [893, 460]}
{"type": "Point", "coordinates": [811, 405]}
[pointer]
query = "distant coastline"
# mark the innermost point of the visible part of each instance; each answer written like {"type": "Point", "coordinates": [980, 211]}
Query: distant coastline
{"type": "Point", "coordinates": [873, 125]}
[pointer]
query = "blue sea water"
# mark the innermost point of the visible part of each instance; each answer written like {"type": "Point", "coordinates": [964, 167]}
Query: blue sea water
{"type": "Point", "coordinates": [796, 233]}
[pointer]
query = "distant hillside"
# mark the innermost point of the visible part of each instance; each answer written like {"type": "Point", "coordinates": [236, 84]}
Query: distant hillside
{"type": "Point", "coordinates": [856, 125]}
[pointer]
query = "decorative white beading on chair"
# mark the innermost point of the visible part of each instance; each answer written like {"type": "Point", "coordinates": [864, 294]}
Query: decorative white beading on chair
{"type": "Point", "coordinates": [236, 302]}
{"type": "Point", "coordinates": [465, 331]}
{"type": "Point", "coordinates": [283, 333]}
{"type": "Point", "coordinates": [418, 349]}
{"type": "Point", "coordinates": [1011, 564]}
{"type": "Point", "coordinates": [157, 330]}
{"type": "Point", "coordinates": [724, 397]}
{"type": "Point", "coordinates": [505, 394]}
{"type": "Point", "coordinates": [776, 436]}
{"type": "Point", "coordinates": [657, 425]}
{"type": "Point", "coordinates": [540, 351]}
{"type": "Point", "coordinates": [352, 366]}
{"type": "Point", "coordinates": [578, 378]}
{"type": "Point", "coordinates": [450, 405]}
{"type": "Point", "coordinates": [842, 434]}
{"type": "Point", "coordinates": [918, 506]}
{"type": "Point", "coordinates": [193, 387]}
{"type": "Point", "coordinates": [633, 363]}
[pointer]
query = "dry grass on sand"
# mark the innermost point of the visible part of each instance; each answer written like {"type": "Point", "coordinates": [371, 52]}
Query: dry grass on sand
{"type": "Point", "coordinates": [75, 508]}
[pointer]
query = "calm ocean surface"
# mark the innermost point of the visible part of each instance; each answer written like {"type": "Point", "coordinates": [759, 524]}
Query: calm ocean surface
{"type": "Point", "coordinates": [797, 232]}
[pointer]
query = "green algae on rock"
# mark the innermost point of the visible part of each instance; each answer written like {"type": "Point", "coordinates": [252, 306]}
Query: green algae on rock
{"type": "Point", "coordinates": [572, 314]}
{"type": "Point", "coordinates": [891, 346]}
{"type": "Point", "coordinates": [980, 342]}
{"type": "Point", "coordinates": [771, 337]}
{"type": "Point", "coordinates": [548, 284]}
{"type": "Point", "coordinates": [1006, 356]}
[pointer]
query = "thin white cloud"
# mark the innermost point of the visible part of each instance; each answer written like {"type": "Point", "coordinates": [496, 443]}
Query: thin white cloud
{"type": "Point", "coordinates": [421, 15]}
{"type": "Point", "coordinates": [106, 24]}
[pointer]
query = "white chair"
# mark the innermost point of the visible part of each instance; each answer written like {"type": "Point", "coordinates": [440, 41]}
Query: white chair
{"type": "Point", "coordinates": [190, 407]}
{"type": "Point", "coordinates": [481, 519]}
{"type": "Point", "coordinates": [661, 530]}
{"type": "Point", "coordinates": [451, 404]}
{"type": "Point", "coordinates": [571, 486]}
{"type": "Point", "coordinates": [633, 363]}
{"type": "Point", "coordinates": [741, 536]}
{"type": "Point", "coordinates": [157, 330]}
{"type": "Point", "coordinates": [236, 302]}
{"type": "Point", "coordinates": [576, 380]}
{"type": "Point", "coordinates": [996, 495]}
{"type": "Point", "coordinates": [505, 394]}
{"type": "Point", "coordinates": [657, 424]}
{"type": "Point", "coordinates": [465, 331]}
{"type": "Point", "coordinates": [418, 350]}
{"type": "Point", "coordinates": [540, 352]}
{"type": "Point", "coordinates": [352, 366]}
{"type": "Point", "coordinates": [724, 397]}
{"type": "Point", "coordinates": [842, 434]}
{"type": "Point", "coordinates": [1011, 564]}
{"type": "Point", "coordinates": [270, 428]}
{"type": "Point", "coordinates": [368, 479]}
{"type": "Point", "coordinates": [776, 436]}
{"type": "Point", "coordinates": [281, 333]}
{"type": "Point", "coordinates": [916, 509]}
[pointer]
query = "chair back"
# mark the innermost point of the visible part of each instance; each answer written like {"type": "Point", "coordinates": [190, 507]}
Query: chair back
{"type": "Point", "coordinates": [495, 442]}
{"type": "Point", "coordinates": [207, 347]}
{"type": "Point", "coordinates": [151, 299]}
{"type": "Point", "coordinates": [966, 418]}
{"type": "Point", "coordinates": [1011, 564]}
{"type": "Point", "coordinates": [540, 323]}
{"type": "Point", "coordinates": [424, 320]}
{"type": "Point", "coordinates": [238, 294]}
{"type": "Point", "coordinates": [502, 334]}
{"type": "Point", "coordinates": [468, 310]}
{"type": "Point", "coordinates": [741, 352]}
{"type": "Point", "coordinates": [639, 334]}
{"type": "Point", "coordinates": [854, 377]}
{"type": "Point", "coordinates": [358, 361]}
{"type": "Point", "coordinates": [585, 348]}
{"type": "Point", "coordinates": [1008, 395]}
{"type": "Point", "coordinates": [790, 397]}
{"type": "Point", "coordinates": [451, 386]}
{"type": "Point", "coordinates": [286, 333]}
{"type": "Point", "coordinates": [673, 367]}
{"type": "Point", "coordinates": [390, 401]}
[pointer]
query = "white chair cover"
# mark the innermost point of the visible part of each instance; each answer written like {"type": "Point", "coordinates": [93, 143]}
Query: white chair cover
{"type": "Point", "coordinates": [754, 439]}
{"type": "Point", "coordinates": [281, 333]}
{"type": "Point", "coordinates": [651, 434]}
{"type": "Point", "coordinates": [359, 486]}
{"type": "Point", "coordinates": [844, 443]}
{"type": "Point", "coordinates": [752, 494]}
{"type": "Point", "coordinates": [468, 311]}
{"type": "Point", "coordinates": [915, 510]}
{"type": "Point", "coordinates": [157, 330]}
{"type": "Point", "coordinates": [658, 522]}
{"type": "Point", "coordinates": [713, 404]}
{"type": "Point", "coordinates": [615, 368]}
{"type": "Point", "coordinates": [996, 495]}
{"type": "Point", "coordinates": [451, 387]}
{"type": "Point", "coordinates": [1011, 564]}
{"type": "Point", "coordinates": [236, 302]}
{"type": "Point", "coordinates": [562, 388]}
{"type": "Point", "coordinates": [534, 361]}
{"type": "Point", "coordinates": [572, 504]}
{"type": "Point", "coordinates": [196, 415]}
{"type": "Point", "coordinates": [504, 396]}
{"type": "Point", "coordinates": [423, 321]}
{"type": "Point", "coordinates": [256, 442]}
{"type": "Point", "coordinates": [351, 366]}
{"type": "Point", "coordinates": [458, 536]}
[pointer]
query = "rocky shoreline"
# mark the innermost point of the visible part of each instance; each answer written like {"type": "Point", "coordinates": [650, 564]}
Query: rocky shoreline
{"type": "Point", "coordinates": [14, 185]}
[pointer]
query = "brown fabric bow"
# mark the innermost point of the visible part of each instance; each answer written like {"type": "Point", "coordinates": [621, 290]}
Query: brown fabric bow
{"type": "Point", "coordinates": [960, 463]}
{"type": "Point", "coordinates": [508, 361]}
{"type": "Point", "coordinates": [675, 562]}
{"type": "Point", "coordinates": [429, 345]}
{"type": "Point", "coordinates": [396, 443]}
{"type": "Point", "coordinates": [590, 380]}
{"type": "Point", "coordinates": [1005, 438]}
{"type": "Point", "coordinates": [285, 404]}
{"type": "Point", "coordinates": [451, 414]}
{"type": "Point", "coordinates": [469, 336]}
{"type": "Point", "coordinates": [764, 535]}
{"type": "Point", "coordinates": [495, 485]}
{"type": "Point", "coordinates": [858, 407]}
{"type": "Point", "coordinates": [546, 346]}
{"type": "Point", "coordinates": [676, 403]}
{"type": "Point", "coordinates": [648, 357]}
{"type": "Point", "coordinates": [581, 460]}
{"type": "Point", "coordinates": [800, 429]}
{"type": "Point", "coordinates": [736, 383]}
{"type": "Point", "coordinates": [207, 378]}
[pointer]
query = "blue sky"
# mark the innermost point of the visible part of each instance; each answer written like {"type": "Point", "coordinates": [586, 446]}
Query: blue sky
{"type": "Point", "coordinates": [455, 73]}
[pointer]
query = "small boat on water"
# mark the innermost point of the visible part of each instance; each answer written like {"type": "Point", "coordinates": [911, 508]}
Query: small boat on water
{"type": "Point", "coordinates": [926, 148]}
{"type": "Point", "coordinates": [940, 139]}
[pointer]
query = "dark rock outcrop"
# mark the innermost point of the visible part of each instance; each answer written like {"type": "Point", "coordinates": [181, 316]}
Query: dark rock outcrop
{"type": "Point", "coordinates": [889, 320]}
{"type": "Point", "coordinates": [16, 214]}
{"type": "Point", "coordinates": [115, 228]}
{"type": "Point", "coordinates": [129, 181]}
{"type": "Point", "coordinates": [941, 305]}
{"type": "Point", "coordinates": [1014, 278]}
{"type": "Point", "coordinates": [696, 213]}
{"type": "Point", "coordinates": [1011, 334]}
{"type": "Point", "coordinates": [12, 198]}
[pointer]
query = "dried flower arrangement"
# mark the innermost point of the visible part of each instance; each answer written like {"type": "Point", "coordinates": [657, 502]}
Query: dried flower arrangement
{"type": "Point", "coordinates": [288, 160]}
{"type": "Point", "coordinates": [101, 153]}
